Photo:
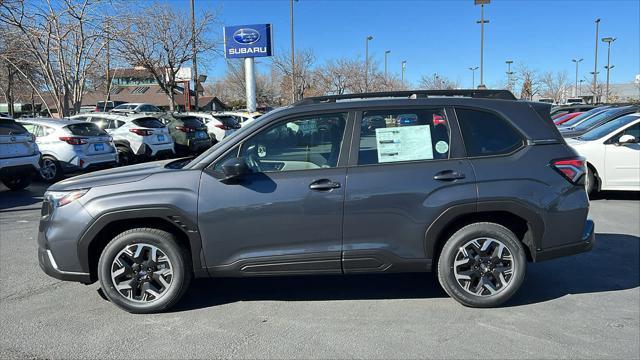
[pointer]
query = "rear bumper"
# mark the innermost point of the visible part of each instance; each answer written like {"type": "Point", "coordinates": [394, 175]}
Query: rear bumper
{"type": "Point", "coordinates": [86, 162]}
{"type": "Point", "coordinates": [21, 164]}
{"type": "Point", "coordinates": [584, 245]}
{"type": "Point", "coordinates": [153, 150]}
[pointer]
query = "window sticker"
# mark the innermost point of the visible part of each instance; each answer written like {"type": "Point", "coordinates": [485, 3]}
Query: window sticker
{"type": "Point", "coordinates": [404, 143]}
{"type": "Point", "coordinates": [442, 147]}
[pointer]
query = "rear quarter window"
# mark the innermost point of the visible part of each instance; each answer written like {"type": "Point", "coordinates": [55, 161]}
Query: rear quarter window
{"type": "Point", "coordinates": [86, 129]}
{"type": "Point", "coordinates": [149, 123]}
{"type": "Point", "coordinates": [487, 134]}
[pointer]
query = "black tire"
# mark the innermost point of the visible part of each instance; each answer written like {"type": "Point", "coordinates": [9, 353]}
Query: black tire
{"type": "Point", "coordinates": [179, 260]}
{"type": "Point", "coordinates": [125, 156]}
{"type": "Point", "coordinates": [452, 249]}
{"type": "Point", "coordinates": [18, 182]}
{"type": "Point", "coordinates": [591, 183]}
{"type": "Point", "coordinates": [50, 169]}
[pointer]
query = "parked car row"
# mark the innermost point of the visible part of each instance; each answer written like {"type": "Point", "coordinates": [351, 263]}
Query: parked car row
{"type": "Point", "coordinates": [609, 139]}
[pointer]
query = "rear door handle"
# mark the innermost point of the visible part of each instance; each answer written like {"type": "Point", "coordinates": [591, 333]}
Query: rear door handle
{"type": "Point", "coordinates": [448, 175]}
{"type": "Point", "coordinates": [324, 185]}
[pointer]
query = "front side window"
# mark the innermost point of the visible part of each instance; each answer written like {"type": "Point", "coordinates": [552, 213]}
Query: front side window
{"type": "Point", "coordinates": [388, 136]}
{"type": "Point", "coordinates": [487, 134]}
{"type": "Point", "coordinates": [311, 142]}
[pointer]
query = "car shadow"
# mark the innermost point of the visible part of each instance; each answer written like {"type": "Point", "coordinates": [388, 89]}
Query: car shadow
{"type": "Point", "coordinates": [612, 265]}
{"type": "Point", "coordinates": [615, 195]}
{"type": "Point", "coordinates": [19, 199]}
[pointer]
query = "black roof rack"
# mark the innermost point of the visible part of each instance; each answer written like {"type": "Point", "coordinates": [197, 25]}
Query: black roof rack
{"type": "Point", "coordinates": [411, 94]}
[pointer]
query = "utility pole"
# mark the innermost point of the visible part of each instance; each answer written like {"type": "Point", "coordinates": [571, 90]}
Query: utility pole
{"type": "Point", "coordinates": [473, 76]}
{"type": "Point", "coordinates": [577, 61]}
{"type": "Point", "coordinates": [366, 63]}
{"type": "Point", "coordinates": [482, 21]}
{"type": "Point", "coordinates": [386, 53]}
{"type": "Point", "coordinates": [195, 61]}
{"type": "Point", "coordinates": [108, 61]}
{"type": "Point", "coordinates": [509, 73]}
{"type": "Point", "coordinates": [595, 64]}
{"type": "Point", "coordinates": [580, 88]}
{"type": "Point", "coordinates": [293, 55]}
{"type": "Point", "coordinates": [608, 40]}
{"type": "Point", "coordinates": [404, 66]}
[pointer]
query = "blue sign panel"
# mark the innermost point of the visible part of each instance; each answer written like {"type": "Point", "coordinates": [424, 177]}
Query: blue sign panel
{"type": "Point", "coordinates": [247, 41]}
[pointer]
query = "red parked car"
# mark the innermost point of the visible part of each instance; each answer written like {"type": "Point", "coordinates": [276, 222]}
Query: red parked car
{"type": "Point", "coordinates": [566, 117]}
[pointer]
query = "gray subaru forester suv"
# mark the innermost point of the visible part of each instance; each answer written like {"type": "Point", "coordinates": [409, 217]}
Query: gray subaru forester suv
{"type": "Point", "coordinates": [471, 184]}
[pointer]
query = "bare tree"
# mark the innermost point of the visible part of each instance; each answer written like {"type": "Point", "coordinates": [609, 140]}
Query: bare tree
{"type": "Point", "coordinates": [156, 38]}
{"type": "Point", "coordinates": [437, 82]}
{"type": "Point", "coordinates": [303, 72]}
{"type": "Point", "coordinates": [555, 86]}
{"type": "Point", "coordinates": [336, 77]}
{"type": "Point", "coordinates": [528, 80]}
{"type": "Point", "coordinates": [65, 40]}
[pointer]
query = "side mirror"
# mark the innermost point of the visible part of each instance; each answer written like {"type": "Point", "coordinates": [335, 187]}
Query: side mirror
{"type": "Point", "coordinates": [627, 139]}
{"type": "Point", "coordinates": [234, 169]}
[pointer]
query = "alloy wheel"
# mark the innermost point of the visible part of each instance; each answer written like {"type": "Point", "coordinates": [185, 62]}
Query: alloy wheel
{"type": "Point", "coordinates": [142, 273]}
{"type": "Point", "coordinates": [483, 266]}
{"type": "Point", "coordinates": [48, 169]}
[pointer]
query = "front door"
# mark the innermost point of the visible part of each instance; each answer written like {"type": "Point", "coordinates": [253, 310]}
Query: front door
{"type": "Point", "coordinates": [407, 168]}
{"type": "Point", "coordinates": [286, 216]}
{"type": "Point", "coordinates": [622, 162]}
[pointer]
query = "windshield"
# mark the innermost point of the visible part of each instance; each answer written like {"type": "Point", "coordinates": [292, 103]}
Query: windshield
{"type": "Point", "coordinates": [587, 124]}
{"type": "Point", "coordinates": [582, 117]}
{"type": "Point", "coordinates": [609, 127]}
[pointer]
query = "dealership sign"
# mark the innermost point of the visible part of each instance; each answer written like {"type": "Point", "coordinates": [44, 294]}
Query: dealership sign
{"type": "Point", "coordinates": [247, 41]}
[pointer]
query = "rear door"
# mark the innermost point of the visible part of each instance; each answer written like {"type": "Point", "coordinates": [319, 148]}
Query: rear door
{"type": "Point", "coordinates": [622, 162]}
{"type": "Point", "coordinates": [403, 173]}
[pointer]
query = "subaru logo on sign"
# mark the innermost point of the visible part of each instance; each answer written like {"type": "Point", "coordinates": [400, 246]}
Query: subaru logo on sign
{"type": "Point", "coordinates": [246, 36]}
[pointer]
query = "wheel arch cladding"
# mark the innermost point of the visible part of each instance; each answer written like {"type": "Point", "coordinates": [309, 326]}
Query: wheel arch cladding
{"type": "Point", "coordinates": [107, 226]}
{"type": "Point", "coordinates": [523, 222]}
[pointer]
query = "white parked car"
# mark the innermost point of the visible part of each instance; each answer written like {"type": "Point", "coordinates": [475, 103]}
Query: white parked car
{"type": "Point", "coordinates": [219, 126]}
{"type": "Point", "coordinates": [574, 101]}
{"type": "Point", "coordinates": [242, 117]}
{"type": "Point", "coordinates": [135, 136]}
{"type": "Point", "coordinates": [70, 146]}
{"type": "Point", "coordinates": [137, 108]}
{"type": "Point", "coordinates": [612, 151]}
{"type": "Point", "coordinates": [19, 154]}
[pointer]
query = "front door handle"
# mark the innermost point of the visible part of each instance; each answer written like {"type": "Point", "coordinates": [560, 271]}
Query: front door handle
{"type": "Point", "coordinates": [324, 185]}
{"type": "Point", "coordinates": [448, 175]}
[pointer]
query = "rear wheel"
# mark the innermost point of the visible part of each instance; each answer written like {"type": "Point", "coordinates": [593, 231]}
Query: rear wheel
{"type": "Point", "coordinates": [144, 270]}
{"type": "Point", "coordinates": [482, 265]}
{"type": "Point", "coordinates": [50, 169]}
{"type": "Point", "coordinates": [591, 184]}
{"type": "Point", "coordinates": [125, 156]}
{"type": "Point", "coordinates": [17, 182]}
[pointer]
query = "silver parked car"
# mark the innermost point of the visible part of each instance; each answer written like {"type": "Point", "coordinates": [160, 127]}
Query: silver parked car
{"type": "Point", "coordinates": [70, 145]}
{"type": "Point", "coordinates": [19, 155]}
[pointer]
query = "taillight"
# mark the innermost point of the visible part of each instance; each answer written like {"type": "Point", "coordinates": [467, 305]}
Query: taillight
{"type": "Point", "coordinates": [439, 120]}
{"type": "Point", "coordinates": [33, 138]}
{"type": "Point", "coordinates": [142, 132]}
{"type": "Point", "coordinates": [222, 126]}
{"type": "Point", "coordinates": [73, 140]}
{"type": "Point", "coordinates": [185, 129]}
{"type": "Point", "coordinates": [572, 169]}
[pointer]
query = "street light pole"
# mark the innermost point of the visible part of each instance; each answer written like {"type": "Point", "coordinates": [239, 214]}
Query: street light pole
{"type": "Point", "coordinates": [577, 61]}
{"type": "Point", "coordinates": [509, 73]}
{"type": "Point", "coordinates": [580, 88]}
{"type": "Point", "coordinates": [404, 66]}
{"type": "Point", "coordinates": [608, 40]}
{"type": "Point", "coordinates": [195, 61]}
{"type": "Point", "coordinates": [595, 63]}
{"type": "Point", "coordinates": [386, 53]}
{"type": "Point", "coordinates": [293, 55]}
{"type": "Point", "coordinates": [366, 62]}
{"type": "Point", "coordinates": [482, 21]}
{"type": "Point", "coordinates": [473, 76]}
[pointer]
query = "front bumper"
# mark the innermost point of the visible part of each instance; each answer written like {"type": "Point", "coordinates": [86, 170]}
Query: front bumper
{"type": "Point", "coordinates": [50, 267]}
{"type": "Point", "coordinates": [584, 245]}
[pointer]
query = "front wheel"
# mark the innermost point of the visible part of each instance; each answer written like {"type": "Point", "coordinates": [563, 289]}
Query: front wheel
{"type": "Point", "coordinates": [144, 270]}
{"type": "Point", "coordinates": [482, 265]}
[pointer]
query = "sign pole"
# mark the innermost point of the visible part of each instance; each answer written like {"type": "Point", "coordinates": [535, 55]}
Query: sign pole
{"type": "Point", "coordinates": [250, 80]}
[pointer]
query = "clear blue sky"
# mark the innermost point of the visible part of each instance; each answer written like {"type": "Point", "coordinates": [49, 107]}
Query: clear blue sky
{"type": "Point", "coordinates": [443, 37]}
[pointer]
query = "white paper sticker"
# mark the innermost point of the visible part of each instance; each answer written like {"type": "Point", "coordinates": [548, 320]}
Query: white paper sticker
{"type": "Point", "coordinates": [442, 147]}
{"type": "Point", "coordinates": [404, 143]}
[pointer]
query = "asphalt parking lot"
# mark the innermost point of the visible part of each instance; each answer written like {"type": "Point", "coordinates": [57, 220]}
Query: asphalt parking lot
{"type": "Point", "coordinates": [585, 306]}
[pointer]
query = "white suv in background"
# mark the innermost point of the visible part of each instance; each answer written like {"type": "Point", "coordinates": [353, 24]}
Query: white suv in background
{"type": "Point", "coordinates": [243, 117]}
{"type": "Point", "coordinates": [612, 151]}
{"type": "Point", "coordinates": [135, 136]}
{"type": "Point", "coordinates": [19, 154]}
{"type": "Point", "coordinates": [219, 126]}
{"type": "Point", "coordinates": [136, 108]}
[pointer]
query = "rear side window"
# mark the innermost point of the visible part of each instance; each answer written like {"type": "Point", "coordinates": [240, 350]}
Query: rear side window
{"type": "Point", "coordinates": [487, 134]}
{"type": "Point", "coordinates": [11, 128]}
{"type": "Point", "coordinates": [388, 136]}
{"type": "Point", "coordinates": [86, 129]}
{"type": "Point", "coordinates": [149, 123]}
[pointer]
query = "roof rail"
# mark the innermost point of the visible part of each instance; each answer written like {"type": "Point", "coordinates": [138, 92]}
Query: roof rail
{"type": "Point", "coordinates": [412, 94]}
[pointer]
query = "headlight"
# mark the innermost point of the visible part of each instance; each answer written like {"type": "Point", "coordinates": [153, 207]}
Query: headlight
{"type": "Point", "coordinates": [62, 198]}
